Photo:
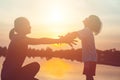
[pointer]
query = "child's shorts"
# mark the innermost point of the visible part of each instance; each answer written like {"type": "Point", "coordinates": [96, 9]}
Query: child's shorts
{"type": "Point", "coordinates": [89, 68]}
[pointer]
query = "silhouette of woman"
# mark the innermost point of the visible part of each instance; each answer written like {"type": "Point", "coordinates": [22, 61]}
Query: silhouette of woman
{"type": "Point", "coordinates": [12, 66]}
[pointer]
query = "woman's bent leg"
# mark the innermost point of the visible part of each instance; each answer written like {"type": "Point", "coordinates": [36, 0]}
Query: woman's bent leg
{"type": "Point", "coordinates": [29, 71]}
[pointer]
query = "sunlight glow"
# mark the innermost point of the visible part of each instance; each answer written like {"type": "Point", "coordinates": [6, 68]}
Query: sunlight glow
{"type": "Point", "coordinates": [56, 19]}
{"type": "Point", "coordinates": [56, 15]}
{"type": "Point", "coordinates": [59, 46]}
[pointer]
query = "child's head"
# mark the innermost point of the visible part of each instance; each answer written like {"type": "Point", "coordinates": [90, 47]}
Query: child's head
{"type": "Point", "coordinates": [22, 26]}
{"type": "Point", "coordinates": [94, 23]}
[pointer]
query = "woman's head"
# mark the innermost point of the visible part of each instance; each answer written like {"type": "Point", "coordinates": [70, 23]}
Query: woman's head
{"type": "Point", "coordinates": [94, 23]}
{"type": "Point", "coordinates": [22, 26]}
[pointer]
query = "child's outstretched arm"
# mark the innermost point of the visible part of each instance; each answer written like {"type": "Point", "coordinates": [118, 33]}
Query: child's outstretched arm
{"type": "Point", "coordinates": [69, 38]}
{"type": "Point", "coordinates": [73, 35]}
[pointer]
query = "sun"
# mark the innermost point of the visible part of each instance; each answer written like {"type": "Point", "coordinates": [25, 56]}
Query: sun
{"type": "Point", "coordinates": [56, 67]}
{"type": "Point", "coordinates": [56, 15]}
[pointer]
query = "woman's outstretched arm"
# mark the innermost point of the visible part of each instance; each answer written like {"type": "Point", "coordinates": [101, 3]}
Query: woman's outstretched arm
{"type": "Point", "coordinates": [35, 41]}
{"type": "Point", "coordinates": [69, 39]}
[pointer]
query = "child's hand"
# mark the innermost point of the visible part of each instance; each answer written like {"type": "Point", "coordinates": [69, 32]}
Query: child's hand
{"type": "Point", "coordinates": [69, 39]}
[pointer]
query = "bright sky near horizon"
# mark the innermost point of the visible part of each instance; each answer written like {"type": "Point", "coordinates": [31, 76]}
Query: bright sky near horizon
{"type": "Point", "coordinates": [50, 18]}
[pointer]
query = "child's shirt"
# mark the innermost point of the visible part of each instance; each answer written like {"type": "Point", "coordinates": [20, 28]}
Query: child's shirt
{"type": "Point", "coordinates": [88, 45]}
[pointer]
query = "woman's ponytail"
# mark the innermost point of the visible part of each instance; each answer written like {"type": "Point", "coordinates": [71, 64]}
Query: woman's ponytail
{"type": "Point", "coordinates": [11, 34]}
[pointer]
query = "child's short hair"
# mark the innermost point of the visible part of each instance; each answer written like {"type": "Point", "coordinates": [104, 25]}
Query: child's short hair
{"type": "Point", "coordinates": [95, 24]}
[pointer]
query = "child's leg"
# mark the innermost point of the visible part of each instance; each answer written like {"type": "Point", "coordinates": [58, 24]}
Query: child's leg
{"type": "Point", "coordinates": [89, 70]}
{"type": "Point", "coordinates": [29, 71]}
{"type": "Point", "coordinates": [88, 77]}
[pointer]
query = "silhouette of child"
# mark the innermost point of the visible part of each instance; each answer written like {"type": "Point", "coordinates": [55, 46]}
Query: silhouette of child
{"type": "Point", "coordinates": [92, 24]}
{"type": "Point", "coordinates": [12, 66]}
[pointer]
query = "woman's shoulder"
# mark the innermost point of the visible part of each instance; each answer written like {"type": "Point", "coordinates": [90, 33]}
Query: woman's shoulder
{"type": "Point", "coordinates": [18, 38]}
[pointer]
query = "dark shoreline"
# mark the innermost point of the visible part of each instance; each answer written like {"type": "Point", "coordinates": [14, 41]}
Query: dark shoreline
{"type": "Point", "coordinates": [107, 57]}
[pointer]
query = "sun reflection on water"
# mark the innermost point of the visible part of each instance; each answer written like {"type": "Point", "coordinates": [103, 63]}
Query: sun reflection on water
{"type": "Point", "coordinates": [55, 67]}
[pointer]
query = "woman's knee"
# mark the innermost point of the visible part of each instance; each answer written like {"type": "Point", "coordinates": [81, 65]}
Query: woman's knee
{"type": "Point", "coordinates": [36, 66]}
{"type": "Point", "coordinates": [30, 70]}
{"type": "Point", "coordinates": [33, 67]}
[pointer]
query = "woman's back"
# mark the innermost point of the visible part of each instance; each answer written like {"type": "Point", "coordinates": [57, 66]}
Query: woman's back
{"type": "Point", "coordinates": [17, 51]}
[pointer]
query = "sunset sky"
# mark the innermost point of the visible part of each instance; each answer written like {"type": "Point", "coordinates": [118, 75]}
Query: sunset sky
{"type": "Point", "coordinates": [51, 18]}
